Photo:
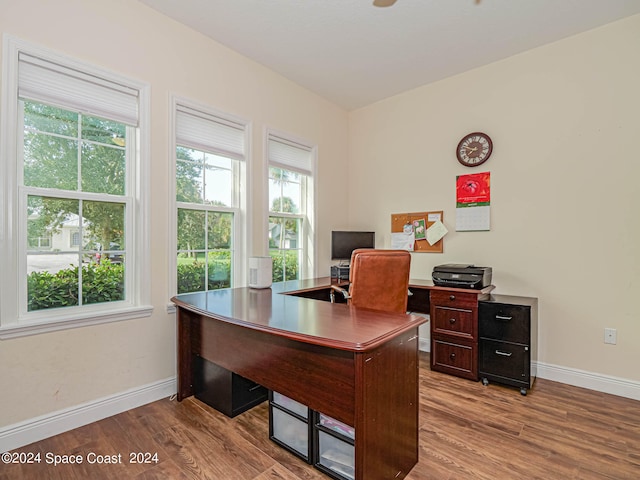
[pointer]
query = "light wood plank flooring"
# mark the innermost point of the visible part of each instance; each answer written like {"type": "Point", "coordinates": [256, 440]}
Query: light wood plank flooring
{"type": "Point", "coordinates": [467, 431]}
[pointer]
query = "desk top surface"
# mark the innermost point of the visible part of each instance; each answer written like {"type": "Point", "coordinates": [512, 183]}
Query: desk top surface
{"type": "Point", "coordinates": [278, 310]}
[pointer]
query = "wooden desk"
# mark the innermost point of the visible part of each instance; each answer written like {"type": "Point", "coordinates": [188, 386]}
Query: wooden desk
{"type": "Point", "coordinates": [358, 366]}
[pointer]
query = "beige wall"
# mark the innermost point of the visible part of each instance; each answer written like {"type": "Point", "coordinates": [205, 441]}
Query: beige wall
{"type": "Point", "coordinates": [49, 372]}
{"type": "Point", "coordinates": [565, 174]}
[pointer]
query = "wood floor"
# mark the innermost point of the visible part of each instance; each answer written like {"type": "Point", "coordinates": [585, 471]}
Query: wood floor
{"type": "Point", "coordinates": [467, 431]}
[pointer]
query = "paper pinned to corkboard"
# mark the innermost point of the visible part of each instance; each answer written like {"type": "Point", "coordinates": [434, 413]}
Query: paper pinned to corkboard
{"type": "Point", "coordinates": [420, 222]}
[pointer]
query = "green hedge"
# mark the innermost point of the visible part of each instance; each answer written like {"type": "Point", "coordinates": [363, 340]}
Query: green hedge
{"type": "Point", "coordinates": [102, 282]}
{"type": "Point", "coordinates": [290, 265]}
{"type": "Point", "coordinates": [191, 276]}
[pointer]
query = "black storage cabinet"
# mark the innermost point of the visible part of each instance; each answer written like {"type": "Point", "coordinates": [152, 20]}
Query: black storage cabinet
{"type": "Point", "coordinates": [223, 390]}
{"type": "Point", "coordinates": [507, 347]}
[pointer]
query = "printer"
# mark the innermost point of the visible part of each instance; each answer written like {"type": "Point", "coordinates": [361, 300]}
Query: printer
{"type": "Point", "coordinates": [461, 276]}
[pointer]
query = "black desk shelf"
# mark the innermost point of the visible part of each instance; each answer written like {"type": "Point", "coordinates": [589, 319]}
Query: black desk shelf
{"type": "Point", "coordinates": [223, 390]}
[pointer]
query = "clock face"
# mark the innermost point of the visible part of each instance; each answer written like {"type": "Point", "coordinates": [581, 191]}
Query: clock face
{"type": "Point", "coordinates": [474, 149]}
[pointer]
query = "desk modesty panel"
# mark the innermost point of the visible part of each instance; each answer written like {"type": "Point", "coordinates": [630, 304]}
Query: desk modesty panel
{"type": "Point", "coordinates": [356, 365]}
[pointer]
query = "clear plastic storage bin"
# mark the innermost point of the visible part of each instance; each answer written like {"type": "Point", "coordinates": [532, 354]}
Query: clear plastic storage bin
{"type": "Point", "coordinates": [289, 404]}
{"type": "Point", "coordinates": [336, 455]}
{"type": "Point", "coordinates": [290, 432]}
{"type": "Point", "coordinates": [339, 427]}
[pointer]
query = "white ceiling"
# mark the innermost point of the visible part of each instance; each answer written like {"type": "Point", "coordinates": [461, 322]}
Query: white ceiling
{"type": "Point", "coordinates": [354, 54]}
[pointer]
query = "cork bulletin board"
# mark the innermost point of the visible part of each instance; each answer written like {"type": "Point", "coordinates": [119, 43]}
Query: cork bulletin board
{"type": "Point", "coordinates": [399, 220]}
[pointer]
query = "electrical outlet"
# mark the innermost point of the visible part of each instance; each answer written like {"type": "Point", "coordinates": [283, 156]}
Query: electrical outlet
{"type": "Point", "coordinates": [610, 335]}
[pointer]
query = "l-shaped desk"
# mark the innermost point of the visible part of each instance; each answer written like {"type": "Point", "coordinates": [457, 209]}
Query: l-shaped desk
{"type": "Point", "coordinates": [356, 365]}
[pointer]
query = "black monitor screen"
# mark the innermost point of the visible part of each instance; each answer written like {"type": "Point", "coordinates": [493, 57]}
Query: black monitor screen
{"type": "Point", "coordinates": [343, 243]}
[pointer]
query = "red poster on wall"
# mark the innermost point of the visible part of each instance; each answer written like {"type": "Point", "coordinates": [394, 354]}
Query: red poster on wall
{"type": "Point", "coordinates": [474, 188]}
{"type": "Point", "coordinates": [473, 199]}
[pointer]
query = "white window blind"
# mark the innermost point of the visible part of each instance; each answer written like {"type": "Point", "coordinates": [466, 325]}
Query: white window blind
{"type": "Point", "coordinates": [49, 82]}
{"type": "Point", "coordinates": [289, 155]}
{"type": "Point", "coordinates": [203, 131]}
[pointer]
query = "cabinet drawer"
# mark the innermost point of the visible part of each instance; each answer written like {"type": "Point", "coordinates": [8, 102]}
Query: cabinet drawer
{"type": "Point", "coordinates": [453, 299]}
{"type": "Point", "coordinates": [506, 360]}
{"type": "Point", "coordinates": [510, 323]}
{"type": "Point", "coordinates": [453, 321]}
{"type": "Point", "coordinates": [455, 358]}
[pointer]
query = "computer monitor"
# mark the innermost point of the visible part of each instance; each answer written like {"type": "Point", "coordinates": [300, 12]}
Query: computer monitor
{"type": "Point", "coordinates": [345, 242]}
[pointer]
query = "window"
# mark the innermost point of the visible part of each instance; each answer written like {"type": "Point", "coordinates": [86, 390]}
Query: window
{"type": "Point", "coordinates": [210, 203]}
{"type": "Point", "coordinates": [71, 168]}
{"type": "Point", "coordinates": [291, 208]}
{"type": "Point", "coordinates": [75, 239]}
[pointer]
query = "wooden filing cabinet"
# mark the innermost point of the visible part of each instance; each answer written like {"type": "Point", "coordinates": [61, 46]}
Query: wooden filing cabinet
{"type": "Point", "coordinates": [454, 330]}
{"type": "Point", "coordinates": [508, 331]}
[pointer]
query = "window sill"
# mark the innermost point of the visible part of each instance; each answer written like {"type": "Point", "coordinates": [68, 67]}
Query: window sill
{"type": "Point", "coordinates": [35, 328]}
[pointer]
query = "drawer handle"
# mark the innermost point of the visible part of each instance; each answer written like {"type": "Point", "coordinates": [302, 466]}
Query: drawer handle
{"type": "Point", "coordinates": [452, 321]}
{"type": "Point", "coordinates": [452, 356]}
{"type": "Point", "coordinates": [452, 297]}
{"type": "Point", "coordinates": [255, 387]}
{"type": "Point", "coordinates": [503, 318]}
{"type": "Point", "coordinates": [504, 354]}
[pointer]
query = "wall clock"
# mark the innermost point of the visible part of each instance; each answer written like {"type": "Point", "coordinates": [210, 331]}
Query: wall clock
{"type": "Point", "coordinates": [474, 149]}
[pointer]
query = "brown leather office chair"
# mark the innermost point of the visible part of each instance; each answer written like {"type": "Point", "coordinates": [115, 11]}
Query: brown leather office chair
{"type": "Point", "coordinates": [378, 279]}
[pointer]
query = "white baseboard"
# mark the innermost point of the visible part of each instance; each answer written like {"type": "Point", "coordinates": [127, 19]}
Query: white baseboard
{"type": "Point", "coordinates": [36, 429]}
{"type": "Point", "coordinates": [593, 381]}
{"type": "Point", "coordinates": [578, 378]}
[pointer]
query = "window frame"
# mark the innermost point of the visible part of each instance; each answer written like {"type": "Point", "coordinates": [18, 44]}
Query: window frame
{"type": "Point", "coordinates": [14, 320]}
{"type": "Point", "coordinates": [241, 193]}
{"type": "Point", "coordinates": [308, 208]}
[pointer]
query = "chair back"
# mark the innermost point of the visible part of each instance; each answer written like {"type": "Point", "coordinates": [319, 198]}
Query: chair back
{"type": "Point", "coordinates": [379, 279]}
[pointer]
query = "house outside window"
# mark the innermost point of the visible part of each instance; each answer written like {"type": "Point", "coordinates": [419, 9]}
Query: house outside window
{"type": "Point", "coordinates": [70, 165]}
{"type": "Point", "coordinates": [291, 207]}
{"type": "Point", "coordinates": [210, 179]}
